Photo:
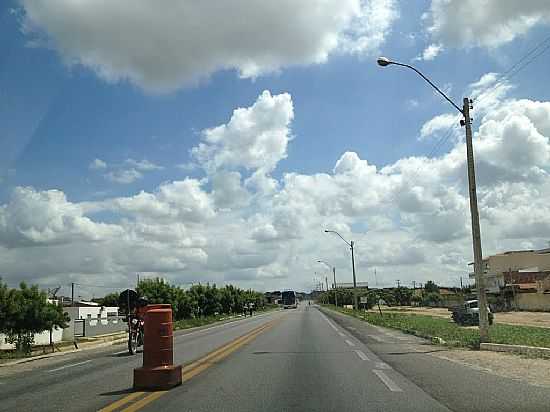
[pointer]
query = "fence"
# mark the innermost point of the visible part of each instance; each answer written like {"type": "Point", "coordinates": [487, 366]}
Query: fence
{"type": "Point", "coordinates": [94, 326]}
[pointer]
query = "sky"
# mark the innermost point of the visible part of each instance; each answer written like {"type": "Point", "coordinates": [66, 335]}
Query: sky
{"type": "Point", "coordinates": [216, 141]}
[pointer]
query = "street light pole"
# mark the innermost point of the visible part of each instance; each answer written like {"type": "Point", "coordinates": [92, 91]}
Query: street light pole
{"type": "Point", "coordinates": [350, 244]}
{"type": "Point", "coordinates": [476, 232]}
{"type": "Point", "coordinates": [334, 276]}
{"type": "Point", "coordinates": [355, 303]}
{"type": "Point", "coordinates": [474, 213]}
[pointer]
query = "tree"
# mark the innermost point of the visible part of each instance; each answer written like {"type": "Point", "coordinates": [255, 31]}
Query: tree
{"type": "Point", "coordinates": [430, 286]}
{"type": "Point", "coordinates": [108, 300]}
{"type": "Point", "coordinates": [54, 317]}
{"type": "Point", "coordinates": [431, 299]}
{"type": "Point", "coordinates": [402, 296]}
{"type": "Point", "coordinates": [25, 312]}
{"type": "Point", "coordinates": [156, 291]}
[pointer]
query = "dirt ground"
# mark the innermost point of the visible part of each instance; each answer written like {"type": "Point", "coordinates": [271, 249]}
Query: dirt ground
{"type": "Point", "coordinates": [540, 319]}
{"type": "Point", "coordinates": [533, 371]}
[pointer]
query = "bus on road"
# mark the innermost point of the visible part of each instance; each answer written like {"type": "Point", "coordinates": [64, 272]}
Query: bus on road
{"type": "Point", "coordinates": [289, 299]}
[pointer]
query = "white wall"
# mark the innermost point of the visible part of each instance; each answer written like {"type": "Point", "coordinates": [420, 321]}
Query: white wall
{"type": "Point", "coordinates": [39, 338]}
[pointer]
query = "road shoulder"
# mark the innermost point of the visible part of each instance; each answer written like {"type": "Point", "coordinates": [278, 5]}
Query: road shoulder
{"type": "Point", "coordinates": [459, 379]}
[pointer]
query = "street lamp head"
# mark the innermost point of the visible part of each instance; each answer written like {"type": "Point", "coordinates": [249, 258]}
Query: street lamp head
{"type": "Point", "coordinates": [383, 61]}
{"type": "Point", "coordinates": [327, 231]}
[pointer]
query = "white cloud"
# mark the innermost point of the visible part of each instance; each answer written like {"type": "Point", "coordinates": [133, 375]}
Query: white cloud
{"type": "Point", "coordinates": [97, 164]}
{"type": "Point", "coordinates": [409, 219]}
{"type": "Point", "coordinates": [175, 200]}
{"type": "Point", "coordinates": [44, 218]}
{"type": "Point", "coordinates": [127, 172]}
{"type": "Point", "coordinates": [162, 47]}
{"type": "Point", "coordinates": [255, 138]}
{"type": "Point", "coordinates": [431, 52]}
{"type": "Point", "coordinates": [124, 176]}
{"type": "Point", "coordinates": [442, 122]}
{"type": "Point", "coordinates": [469, 23]}
{"type": "Point", "coordinates": [372, 25]}
{"type": "Point", "coordinates": [143, 165]}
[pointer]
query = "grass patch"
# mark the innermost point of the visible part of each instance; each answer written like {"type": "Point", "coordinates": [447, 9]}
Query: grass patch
{"type": "Point", "coordinates": [454, 335]}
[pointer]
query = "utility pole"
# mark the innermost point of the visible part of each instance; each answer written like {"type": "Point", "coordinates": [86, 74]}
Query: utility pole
{"type": "Point", "coordinates": [335, 288]}
{"type": "Point", "coordinates": [137, 285]}
{"type": "Point", "coordinates": [476, 232]}
{"type": "Point", "coordinates": [375, 278]}
{"type": "Point", "coordinates": [398, 283]}
{"type": "Point", "coordinates": [72, 293]}
{"type": "Point", "coordinates": [355, 303]}
{"type": "Point", "coordinates": [414, 284]}
{"type": "Point", "coordinates": [326, 281]}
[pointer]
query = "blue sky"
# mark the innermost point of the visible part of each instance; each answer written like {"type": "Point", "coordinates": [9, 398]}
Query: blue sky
{"type": "Point", "coordinates": [57, 117]}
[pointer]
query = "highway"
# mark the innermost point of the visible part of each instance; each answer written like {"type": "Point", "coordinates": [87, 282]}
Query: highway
{"type": "Point", "coordinates": [306, 359]}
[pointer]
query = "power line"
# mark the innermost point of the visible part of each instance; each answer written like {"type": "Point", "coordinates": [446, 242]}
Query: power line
{"type": "Point", "coordinates": [534, 53]}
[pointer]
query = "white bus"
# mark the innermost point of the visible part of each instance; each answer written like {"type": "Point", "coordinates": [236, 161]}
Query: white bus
{"type": "Point", "coordinates": [289, 299]}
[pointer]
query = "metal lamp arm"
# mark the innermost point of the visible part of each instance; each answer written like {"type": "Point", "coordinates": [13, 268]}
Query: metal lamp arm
{"type": "Point", "coordinates": [430, 83]}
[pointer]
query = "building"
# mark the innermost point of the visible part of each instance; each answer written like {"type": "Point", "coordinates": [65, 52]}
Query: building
{"type": "Point", "coordinates": [522, 277]}
{"type": "Point", "coordinates": [273, 297]}
{"type": "Point", "coordinates": [517, 267]}
{"type": "Point", "coordinates": [90, 310]}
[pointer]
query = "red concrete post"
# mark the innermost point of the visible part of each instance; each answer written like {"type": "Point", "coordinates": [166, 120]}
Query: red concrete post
{"type": "Point", "coordinates": [158, 371]}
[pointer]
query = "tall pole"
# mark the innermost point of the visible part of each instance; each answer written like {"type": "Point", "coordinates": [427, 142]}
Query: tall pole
{"type": "Point", "coordinates": [326, 281]}
{"type": "Point", "coordinates": [355, 304]}
{"type": "Point", "coordinates": [476, 233]}
{"type": "Point", "coordinates": [398, 283]}
{"type": "Point", "coordinates": [72, 293]}
{"type": "Point", "coordinates": [335, 289]}
{"type": "Point", "coordinates": [474, 213]}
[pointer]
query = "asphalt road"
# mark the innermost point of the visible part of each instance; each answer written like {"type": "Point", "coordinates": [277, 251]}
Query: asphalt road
{"type": "Point", "coordinates": [302, 360]}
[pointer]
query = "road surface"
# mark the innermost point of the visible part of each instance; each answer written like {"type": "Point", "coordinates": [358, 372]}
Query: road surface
{"type": "Point", "coordinates": [294, 360]}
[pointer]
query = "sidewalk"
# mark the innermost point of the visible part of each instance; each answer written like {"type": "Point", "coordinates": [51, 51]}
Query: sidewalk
{"type": "Point", "coordinates": [66, 347]}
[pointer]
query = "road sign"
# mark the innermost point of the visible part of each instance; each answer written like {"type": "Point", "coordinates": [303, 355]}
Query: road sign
{"type": "Point", "coordinates": [363, 299]}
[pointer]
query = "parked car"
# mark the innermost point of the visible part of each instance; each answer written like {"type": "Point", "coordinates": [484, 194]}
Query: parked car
{"type": "Point", "coordinates": [468, 313]}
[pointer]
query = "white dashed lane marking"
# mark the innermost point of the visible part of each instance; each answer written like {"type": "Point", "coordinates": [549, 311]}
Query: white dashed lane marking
{"type": "Point", "coordinates": [391, 385]}
{"type": "Point", "coordinates": [342, 334]}
{"type": "Point", "coordinates": [362, 355]}
{"type": "Point", "coordinates": [349, 342]}
{"type": "Point", "coordinates": [329, 322]}
{"type": "Point", "coordinates": [382, 365]}
{"type": "Point", "coordinates": [69, 366]}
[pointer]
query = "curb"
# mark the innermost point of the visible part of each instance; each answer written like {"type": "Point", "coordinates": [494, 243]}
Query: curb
{"type": "Point", "coordinates": [521, 349]}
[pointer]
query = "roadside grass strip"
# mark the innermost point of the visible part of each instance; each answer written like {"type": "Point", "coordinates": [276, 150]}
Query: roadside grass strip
{"type": "Point", "coordinates": [446, 332]}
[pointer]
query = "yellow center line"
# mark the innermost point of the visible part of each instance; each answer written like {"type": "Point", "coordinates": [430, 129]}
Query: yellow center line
{"type": "Point", "coordinates": [203, 364]}
{"type": "Point", "coordinates": [190, 370]}
{"type": "Point", "coordinates": [121, 402]}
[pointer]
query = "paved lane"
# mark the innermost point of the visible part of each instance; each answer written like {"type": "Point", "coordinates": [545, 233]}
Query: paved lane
{"type": "Point", "coordinates": [305, 362]}
{"type": "Point", "coordinates": [459, 387]}
{"type": "Point", "coordinates": [90, 380]}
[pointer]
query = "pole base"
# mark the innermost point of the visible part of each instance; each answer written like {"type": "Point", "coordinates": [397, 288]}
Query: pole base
{"type": "Point", "coordinates": [160, 378]}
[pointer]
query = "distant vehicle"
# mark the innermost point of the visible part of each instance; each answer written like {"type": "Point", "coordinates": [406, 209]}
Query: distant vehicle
{"type": "Point", "coordinates": [468, 313]}
{"type": "Point", "coordinates": [289, 299]}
